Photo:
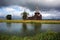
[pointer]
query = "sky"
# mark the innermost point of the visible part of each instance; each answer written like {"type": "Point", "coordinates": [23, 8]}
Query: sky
{"type": "Point", "coordinates": [48, 8]}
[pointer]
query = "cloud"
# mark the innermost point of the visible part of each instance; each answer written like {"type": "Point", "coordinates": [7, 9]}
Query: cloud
{"type": "Point", "coordinates": [31, 4]}
{"type": "Point", "coordinates": [13, 10]}
{"type": "Point", "coordinates": [9, 9]}
{"type": "Point", "coordinates": [51, 14]}
{"type": "Point", "coordinates": [1, 14]}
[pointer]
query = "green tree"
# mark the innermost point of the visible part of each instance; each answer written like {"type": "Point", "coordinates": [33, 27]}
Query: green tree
{"type": "Point", "coordinates": [9, 17]}
{"type": "Point", "coordinates": [24, 15]}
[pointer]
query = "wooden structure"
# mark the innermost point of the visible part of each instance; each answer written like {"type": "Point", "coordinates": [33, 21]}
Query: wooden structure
{"type": "Point", "coordinates": [36, 16]}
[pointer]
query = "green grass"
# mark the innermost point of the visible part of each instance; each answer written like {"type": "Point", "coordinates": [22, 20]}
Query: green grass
{"type": "Point", "coordinates": [49, 35]}
{"type": "Point", "coordinates": [33, 21]}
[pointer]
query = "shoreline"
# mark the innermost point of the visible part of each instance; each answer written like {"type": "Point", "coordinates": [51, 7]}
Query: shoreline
{"type": "Point", "coordinates": [32, 21]}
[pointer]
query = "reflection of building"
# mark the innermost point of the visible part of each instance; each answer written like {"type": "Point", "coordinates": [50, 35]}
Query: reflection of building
{"type": "Point", "coordinates": [37, 27]}
{"type": "Point", "coordinates": [37, 16]}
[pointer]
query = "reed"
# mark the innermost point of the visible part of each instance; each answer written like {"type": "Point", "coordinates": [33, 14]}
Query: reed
{"type": "Point", "coordinates": [49, 35]}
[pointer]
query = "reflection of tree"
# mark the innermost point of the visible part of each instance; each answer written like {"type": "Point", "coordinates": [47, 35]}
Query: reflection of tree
{"type": "Point", "coordinates": [37, 27]}
{"type": "Point", "coordinates": [8, 24]}
{"type": "Point", "coordinates": [24, 28]}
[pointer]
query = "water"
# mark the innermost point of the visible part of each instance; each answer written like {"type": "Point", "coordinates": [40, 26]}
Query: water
{"type": "Point", "coordinates": [27, 29]}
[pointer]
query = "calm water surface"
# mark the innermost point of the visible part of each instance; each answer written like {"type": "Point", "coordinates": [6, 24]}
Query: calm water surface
{"type": "Point", "coordinates": [24, 29]}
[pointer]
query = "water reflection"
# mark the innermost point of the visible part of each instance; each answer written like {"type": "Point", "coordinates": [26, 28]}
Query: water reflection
{"type": "Point", "coordinates": [24, 25]}
{"type": "Point", "coordinates": [8, 24]}
{"type": "Point", "coordinates": [24, 29]}
{"type": "Point", "coordinates": [37, 27]}
{"type": "Point", "coordinates": [27, 29]}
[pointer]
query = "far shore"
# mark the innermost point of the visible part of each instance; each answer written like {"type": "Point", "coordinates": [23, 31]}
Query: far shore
{"type": "Point", "coordinates": [32, 21]}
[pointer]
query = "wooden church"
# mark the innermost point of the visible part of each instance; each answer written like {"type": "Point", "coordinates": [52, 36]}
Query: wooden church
{"type": "Point", "coordinates": [36, 16]}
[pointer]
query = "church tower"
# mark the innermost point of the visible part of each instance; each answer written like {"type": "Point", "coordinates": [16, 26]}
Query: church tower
{"type": "Point", "coordinates": [37, 15]}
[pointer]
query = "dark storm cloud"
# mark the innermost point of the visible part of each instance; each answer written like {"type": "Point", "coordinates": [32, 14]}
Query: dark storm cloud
{"type": "Point", "coordinates": [31, 4]}
{"type": "Point", "coordinates": [2, 3]}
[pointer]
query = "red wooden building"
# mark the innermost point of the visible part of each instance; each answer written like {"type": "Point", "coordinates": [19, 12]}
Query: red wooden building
{"type": "Point", "coordinates": [36, 16]}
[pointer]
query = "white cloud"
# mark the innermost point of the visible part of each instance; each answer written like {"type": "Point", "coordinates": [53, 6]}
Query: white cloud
{"type": "Point", "coordinates": [14, 10]}
{"type": "Point", "coordinates": [1, 14]}
{"type": "Point", "coordinates": [45, 15]}
{"type": "Point", "coordinates": [51, 14]}
{"type": "Point", "coordinates": [9, 9]}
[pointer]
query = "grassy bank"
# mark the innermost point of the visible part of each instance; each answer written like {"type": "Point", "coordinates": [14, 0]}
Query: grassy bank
{"type": "Point", "coordinates": [40, 36]}
{"type": "Point", "coordinates": [32, 21]}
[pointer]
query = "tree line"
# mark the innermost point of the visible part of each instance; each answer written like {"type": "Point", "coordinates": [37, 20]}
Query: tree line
{"type": "Point", "coordinates": [24, 16]}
